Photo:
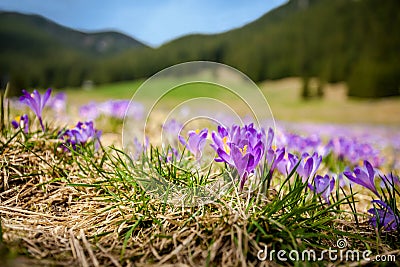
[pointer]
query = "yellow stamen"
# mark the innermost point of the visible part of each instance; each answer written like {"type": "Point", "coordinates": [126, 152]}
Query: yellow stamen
{"type": "Point", "coordinates": [18, 119]}
{"type": "Point", "coordinates": [243, 150]}
{"type": "Point", "coordinates": [197, 131]}
{"type": "Point", "coordinates": [226, 147]}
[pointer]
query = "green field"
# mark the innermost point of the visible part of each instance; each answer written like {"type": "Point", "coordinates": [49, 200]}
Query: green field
{"type": "Point", "coordinates": [283, 97]}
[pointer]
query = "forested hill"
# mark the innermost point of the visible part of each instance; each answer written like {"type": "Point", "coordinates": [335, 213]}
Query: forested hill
{"type": "Point", "coordinates": [36, 34]}
{"type": "Point", "coordinates": [35, 51]}
{"type": "Point", "coordinates": [342, 40]}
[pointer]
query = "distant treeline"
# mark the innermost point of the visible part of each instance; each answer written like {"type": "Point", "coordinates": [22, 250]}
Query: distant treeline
{"type": "Point", "coordinates": [342, 40]}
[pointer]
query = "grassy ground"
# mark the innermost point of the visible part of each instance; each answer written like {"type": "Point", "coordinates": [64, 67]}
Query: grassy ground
{"type": "Point", "coordinates": [88, 207]}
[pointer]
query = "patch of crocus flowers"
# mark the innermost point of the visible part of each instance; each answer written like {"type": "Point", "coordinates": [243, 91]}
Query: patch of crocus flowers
{"type": "Point", "coordinates": [247, 149]}
{"type": "Point", "coordinates": [240, 147]}
{"type": "Point", "coordinates": [112, 108]}
{"type": "Point", "coordinates": [79, 135]}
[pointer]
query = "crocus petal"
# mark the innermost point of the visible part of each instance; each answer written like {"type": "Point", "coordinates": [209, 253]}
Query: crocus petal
{"type": "Point", "coordinates": [308, 168]}
{"type": "Point", "coordinates": [182, 140]}
{"type": "Point", "coordinates": [251, 164]}
{"type": "Point", "coordinates": [370, 169]}
{"type": "Point", "coordinates": [45, 98]}
{"type": "Point", "coordinates": [362, 178]}
{"type": "Point", "coordinates": [31, 103]}
{"type": "Point", "coordinates": [270, 138]}
{"type": "Point", "coordinates": [15, 124]}
{"type": "Point", "coordinates": [224, 156]}
{"type": "Point", "coordinates": [217, 140]}
{"type": "Point", "coordinates": [222, 131]}
{"type": "Point", "coordinates": [349, 175]}
{"type": "Point", "coordinates": [240, 161]}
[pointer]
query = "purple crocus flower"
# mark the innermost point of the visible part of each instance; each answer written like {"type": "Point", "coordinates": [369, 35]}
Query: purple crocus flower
{"type": "Point", "coordinates": [246, 137]}
{"type": "Point", "coordinates": [172, 154]}
{"type": "Point", "coordinates": [171, 130]}
{"type": "Point", "coordinates": [195, 142]}
{"type": "Point", "coordinates": [354, 151]}
{"type": "Point", "coordinates": [286, 165]}
{"type": "Point", "coordinates": [364, 176]}
{"type": "Point", "coordinates": [308, 165]}
{"type": "Point", "coordinates": [135, 110]}
{"type": "Point", "coordinates": [36, 102]}
{"type": "Point", "coordinates": [140, 147]}
{"type": "Point", "coordinates": [58, 102]}
{"type": "Point", "coordinates": [21, 122]}
{"type": "Point", "coordinates": [383, 216]}
{"type": "Point", "coordinates": [172, 127]}
{"type": "Point", "coordinates": [342, 181]}
{"type": "Point", "coordinates": [119, 108]}
{"type": "Point", "coordinates": [84, 131]}
{"type": "Point", "coordinates": [299, 143]}
{"type": "Point", "coordinates": [81, 134]}
{"type": "Point", "coordinates": [114, 108]}
{"type": "Point", "coordinates": [270, 138]}
{"type": "Point", "coordinates": [240, 147]}
{"type": "Point", "coordinates": [89, 111]}
{"type": "Point", "coordinates": [323, 186]}
{"type": "Point", "coordinates": [274, 157]}
{"type": "Point", "coordinates": [169, 155]}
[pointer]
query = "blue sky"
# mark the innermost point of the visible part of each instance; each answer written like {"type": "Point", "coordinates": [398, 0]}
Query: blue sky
{"type": "Point", "coordinates": [152, 22]}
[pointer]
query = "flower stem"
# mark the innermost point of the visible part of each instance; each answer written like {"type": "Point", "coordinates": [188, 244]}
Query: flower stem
{"type": "Point", "coordinates": [41, 124]}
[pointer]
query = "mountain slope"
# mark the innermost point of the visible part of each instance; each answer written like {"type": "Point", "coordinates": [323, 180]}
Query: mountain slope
{"type": "Point", "coordinates": [21, 31]}
{"type": "Point", "coordinates": [341, 40]}
{"type": "Point", "coordinates": [35, 51]}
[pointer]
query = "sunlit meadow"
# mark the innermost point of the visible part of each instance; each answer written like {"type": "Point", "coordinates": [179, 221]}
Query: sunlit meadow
{"type": "Point", "coordinates": [70, 194]}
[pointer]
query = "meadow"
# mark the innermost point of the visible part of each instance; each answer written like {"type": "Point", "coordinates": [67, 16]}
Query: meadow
{"type": "Point", "coordinates": [325, 178]}
{"type": "Point", "coordinates": [284, 98]}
